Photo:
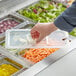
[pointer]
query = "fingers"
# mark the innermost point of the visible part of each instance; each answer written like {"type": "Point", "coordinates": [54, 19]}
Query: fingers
{"type": "Point", "coordinates": [33, 29]}
{"type": "Point", "coordinates": [34, 32]}
{"type": "Point", "coordinates": [40, 38]}
{"type": "Point", "coordinates": [35, 35]}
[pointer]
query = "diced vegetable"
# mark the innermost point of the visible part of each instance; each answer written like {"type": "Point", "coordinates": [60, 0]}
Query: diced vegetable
{"type": "Point", "coordinates": [7, 24]}
{"type": "Point", "coordinates": [7, 70]}
{"type": "Point", "coordinates": [36, 55]}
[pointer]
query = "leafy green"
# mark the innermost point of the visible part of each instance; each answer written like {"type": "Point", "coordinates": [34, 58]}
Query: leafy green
{"type": "Point", "coordinates": [73, 32]}
{"type": "Point", "coordinates": [44, 11]}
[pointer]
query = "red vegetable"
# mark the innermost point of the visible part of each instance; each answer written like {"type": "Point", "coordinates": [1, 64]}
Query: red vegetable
{"type": "Point", "coordinates": [35, 11]}
{"type": "Point", "coordinates": [7, 24]}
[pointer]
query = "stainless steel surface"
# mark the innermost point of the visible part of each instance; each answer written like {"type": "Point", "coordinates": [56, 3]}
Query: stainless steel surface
{"type": "Point", "coordinates": [11, 17]}
{"type": "Point", "coordinates": [64, 67]}
{"type": "Point", "coordinates": [13, 5]}
{"type": "Point", "coordinates": [49, 60]}
{"type": "Point", "coordinates": [22, 17]}
{"type": "Point", "coordinates": [25, 17]}
{"type": "Point", "coordinates": [2, 4]}
{"type": "Point", "coordinates": [3, 1]}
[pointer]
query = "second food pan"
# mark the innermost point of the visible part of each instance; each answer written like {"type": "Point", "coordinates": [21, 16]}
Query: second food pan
{"type": "Point", "coordinates": [22, 26]}
{"type": "Point", "coordinates": [8, 66]}
{"type": "Point", "coordinates": [42, 11]}
{"type": "Point", "coordinates": [10, 22]}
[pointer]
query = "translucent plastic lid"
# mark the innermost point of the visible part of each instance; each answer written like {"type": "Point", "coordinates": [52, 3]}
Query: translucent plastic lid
{"type": "Point", "coordinates": [21, 38]}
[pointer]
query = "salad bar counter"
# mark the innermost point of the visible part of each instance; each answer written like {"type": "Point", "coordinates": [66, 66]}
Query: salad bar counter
{"type": "Point", "coordinates": [23, 14]}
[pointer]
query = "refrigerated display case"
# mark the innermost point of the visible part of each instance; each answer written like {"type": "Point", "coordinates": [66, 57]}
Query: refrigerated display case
{"type": "Point", "coordinates": [31, 67]}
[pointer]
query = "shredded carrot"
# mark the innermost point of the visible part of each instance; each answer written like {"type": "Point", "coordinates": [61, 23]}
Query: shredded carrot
{"type": "Point", "coordinates": [36, 55]}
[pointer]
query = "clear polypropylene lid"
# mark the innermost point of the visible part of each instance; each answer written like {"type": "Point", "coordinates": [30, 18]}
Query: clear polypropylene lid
{"type": "Point", "coordinates": [21, 38]}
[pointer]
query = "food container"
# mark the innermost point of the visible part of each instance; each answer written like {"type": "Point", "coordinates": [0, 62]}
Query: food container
{"type": "Point", "coordinates": [36, 54]}
{"type": "Point", "coordinates": [13, 51]}
{"type": "Point", "coordinates": [42, 11]}
{"type": "Point", "coordinates": [20, 53]}
{"type": "Point", "coordinates": [21, 38]}
{"type": "Point", "coordinates": [24, 26]}
{"type": "Point", "coordinates": [12, 21]}
{"type": "Point", "coordinates": [15, 57]}
{"type": "Point", "coordinates": [8, 66]}
{"type": "Point", "coordinates": [8, 22]}
{"type": "Point", "coordinates": [3, 0]}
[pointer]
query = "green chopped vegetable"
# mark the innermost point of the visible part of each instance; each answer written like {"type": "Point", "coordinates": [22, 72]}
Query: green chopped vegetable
{"type": "Point", "coordinates": [73, 32]}
{"type": "Point", "coordinates": [44, 11]}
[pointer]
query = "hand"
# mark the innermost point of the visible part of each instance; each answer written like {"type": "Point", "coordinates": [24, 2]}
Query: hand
{"type": "Point", "coordinates": [41, 30]}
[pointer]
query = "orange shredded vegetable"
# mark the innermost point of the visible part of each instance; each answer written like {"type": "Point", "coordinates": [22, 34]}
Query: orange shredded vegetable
{"type": "Point", "coordinates": [36, 55]}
